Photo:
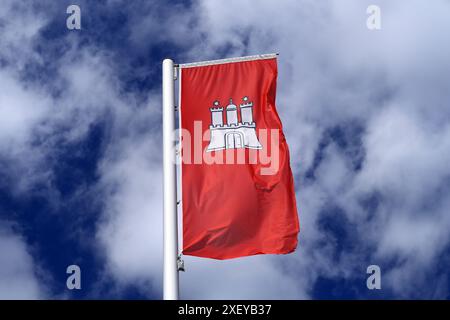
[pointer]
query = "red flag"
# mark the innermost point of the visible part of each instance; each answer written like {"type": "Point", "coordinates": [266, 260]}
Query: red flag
{"type": "Point", "coordinates": [238, 193]}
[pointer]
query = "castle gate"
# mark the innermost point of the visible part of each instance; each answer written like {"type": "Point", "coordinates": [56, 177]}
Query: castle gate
{"type": "Point", "coordinates": [234, 140]}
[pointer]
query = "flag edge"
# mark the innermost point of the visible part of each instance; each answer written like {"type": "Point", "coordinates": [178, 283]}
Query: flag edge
{"type": "Point", "coordinates": [228, 60]}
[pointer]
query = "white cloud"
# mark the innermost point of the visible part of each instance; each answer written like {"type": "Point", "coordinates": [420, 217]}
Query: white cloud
{"type": "Point", "coordinates": [254, 277]}
{"type": "Point", "coordinates": [21, 110]}
{"type": "Point", "coordinates": [18, 279]}
{"type": "Point", "coordinates": [334, 72]}
{"type": "Point", "coordinates": [131, 231]}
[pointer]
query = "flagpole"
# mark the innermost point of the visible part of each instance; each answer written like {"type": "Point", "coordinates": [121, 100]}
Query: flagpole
{"type": "Point", "coordinates": [170, 278]}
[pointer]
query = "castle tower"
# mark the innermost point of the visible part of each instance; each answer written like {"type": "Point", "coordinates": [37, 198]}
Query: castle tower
{"type": "Point", "coordinates": [232, 118]}
{"type": "Point", "coordinates": [246, 111]}
{"type": "Point", "coordinates": [216, 115]}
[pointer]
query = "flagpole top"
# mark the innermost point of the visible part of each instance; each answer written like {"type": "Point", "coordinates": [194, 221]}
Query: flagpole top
{"type": "Point", "coordinates": [167, 62]}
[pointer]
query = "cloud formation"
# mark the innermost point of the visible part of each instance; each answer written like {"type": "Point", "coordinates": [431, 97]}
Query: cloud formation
{"type": "Point", "coordinates": [18, 271]}
{"type": "Point", "coordinates": [365, 114]}
{"type": "Point", "coordinates": [367, 122]}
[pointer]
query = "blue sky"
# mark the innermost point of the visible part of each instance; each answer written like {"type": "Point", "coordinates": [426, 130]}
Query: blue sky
{"type": "Point", "coordinates": [366, 115]}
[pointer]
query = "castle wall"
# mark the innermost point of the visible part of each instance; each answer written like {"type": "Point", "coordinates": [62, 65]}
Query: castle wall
{"type": "Point", "coordinates": [218, 142]}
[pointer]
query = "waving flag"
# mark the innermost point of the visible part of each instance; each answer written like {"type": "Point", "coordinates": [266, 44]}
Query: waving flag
{"type": "Point", "coordinates": [238, 195]}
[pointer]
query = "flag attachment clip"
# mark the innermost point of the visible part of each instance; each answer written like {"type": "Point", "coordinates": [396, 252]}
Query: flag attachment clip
{"type": "Point", "coordinates": [180, 263]}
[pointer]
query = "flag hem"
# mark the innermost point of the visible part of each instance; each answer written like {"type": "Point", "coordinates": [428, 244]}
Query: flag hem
{"type": "Point", "coordinates": [228, 60]}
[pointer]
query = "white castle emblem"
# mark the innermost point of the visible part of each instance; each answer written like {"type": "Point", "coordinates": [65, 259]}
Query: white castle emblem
{"type": "Point", "coordinates": [234, 134]}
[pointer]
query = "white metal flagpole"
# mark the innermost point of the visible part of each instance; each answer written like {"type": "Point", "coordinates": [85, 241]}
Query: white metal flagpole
{"type": "Point", "coordinates": [170, 286]}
